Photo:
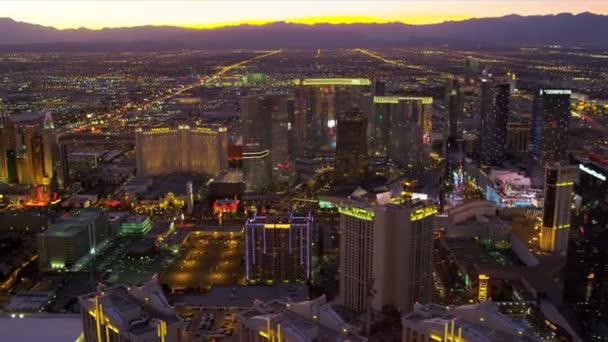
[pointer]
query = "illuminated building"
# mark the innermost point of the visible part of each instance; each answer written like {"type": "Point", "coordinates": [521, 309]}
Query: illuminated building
{"type": "Point", "coordinates": [70, 239]}
{"type": "Point", "coordinates": [287, 321]}
{"type": "Point", "coordinates": [4, 144]}
{"type": "Point", "coordinates": [385, 253]}
{"type": "Point", "coordinates": [256, 168]}
{"type": "Point", "coordinates": [454, 106]}
{"type": "Point", "coordinates": [134, 314]}
{"type": "Point", "coordinates": [189, 197]}
{"type": "Point", "coordinates": [494, 118]}
{"type": "Point", "coordinates": [586, 272]}
{"type": "Point", "coordinates": [453, 133]}
{"type": "Point", "coordinates": [518, 137]}
{"type": "Point", "coordinates": [27, 150]}
{"type": "Point", "coordinates": [319, 103]}
{"type": "Point", "coordinates": [559, 185]}
{"type": "Point", "coordinates": [277, 248]}
{"type": "Point", "coordinates": [400, 127]}
{"type": "Point", "coordinates": [351, 163]}
{"type": "Point", "coordinates": [135, 225]}
{"type": "Point", "coordinates": [266, 122]}
{"type": "Point", "coordinates": [182, 149]}
{"type": "Point", "coordinates": [549, 132]}
{"type": "Point", "coordinates": [466, 323]}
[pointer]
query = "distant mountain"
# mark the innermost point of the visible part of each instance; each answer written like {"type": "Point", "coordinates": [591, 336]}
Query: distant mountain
{"type": "Point", "coordinates": [585, 29]}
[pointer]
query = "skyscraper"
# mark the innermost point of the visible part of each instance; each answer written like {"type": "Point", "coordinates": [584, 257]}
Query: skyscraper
{"type": "Point", "coordinates": [278, 248]}
{"type": "Point", "coordinates": [454, 107]}
{"type": "Point", "coordinates": [494, 118]}
{"type": "Point", "coordinates": [385, 254]}
{"type": "Point", "coordinates": [181, 149]}
{"type": "Point", "coordinates": [351, 163]}
{"type": "Point", "coordinates": [256, 168]}
{"type": "Point", "coordinates": [4, 143]}
{"type": "Point", "coordinates": [452, 133]}
{"type": "Point", "coordinates": [266, 122]}
{"type": "Point", "coordinates": [559, 184]}
{"type": "Point", "coordinates": [549, 132]}
{"type": "Point", "coordinates": [399, 129]}
{"type": "Point", "coordinates": [320, 102]}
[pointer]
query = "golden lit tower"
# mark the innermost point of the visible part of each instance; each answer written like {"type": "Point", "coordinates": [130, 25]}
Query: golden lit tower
{"type": "Point", "coordinates": [559, 184]}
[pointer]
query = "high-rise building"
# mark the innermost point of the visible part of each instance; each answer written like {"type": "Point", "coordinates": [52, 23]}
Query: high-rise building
{"type": "Point", "coordinates": [181, 149]}
{"type": "Point", "coordinates": [72, 238]}
{"type": "Point", "coordinates": [319, 103]}
{"type": "Point", "coordinates": [385, 254]}
{"type": "Point", "coordinates": [494, 118]}
{"type": "Point", "coordinates": [130, 314]}
{"type": "Point", "coordinates": [4, 143]}
{"type": "Point", "coordinates": [351, 163]}
{"type": "Point", "coordinates": [256, 168]}
{"type": "Point", "coordinates": [453, 133]}
{"type": "Point", "coordinates": [559, 184]}
{"type": "Point", "coordinates": [399, 129]}
{"type": "Point", "coordinates": [278, 248]}
{"type": "Point", "coordinates": [549, 132]}
{"type": "Point", "coordinates": [518, 137]}
{"type": "Point", "coordinates": [266, 121]}
{"type": "Point", "coordinates": [454, 107]}
{"type": "Point", "coordinates": [586, 272]}
{"type": "Point", "coordinates": [62, 166]}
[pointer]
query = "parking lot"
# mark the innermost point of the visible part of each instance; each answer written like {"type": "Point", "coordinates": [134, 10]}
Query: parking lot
{"type": "Point", "coordinates": [206, 260]}
{"type": "Point", "coordinates": [204, 324]}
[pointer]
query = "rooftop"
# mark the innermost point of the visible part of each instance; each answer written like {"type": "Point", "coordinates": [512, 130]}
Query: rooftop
{"type": "Point", "coordinates": [72, 225]}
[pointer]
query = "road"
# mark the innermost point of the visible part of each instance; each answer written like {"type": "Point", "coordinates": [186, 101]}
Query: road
{"type": "Point", "coordinates": [377, 56]}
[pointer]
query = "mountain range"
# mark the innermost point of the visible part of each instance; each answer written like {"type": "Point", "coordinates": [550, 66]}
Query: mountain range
{"type": "Point", "coordinates": [583, 30]}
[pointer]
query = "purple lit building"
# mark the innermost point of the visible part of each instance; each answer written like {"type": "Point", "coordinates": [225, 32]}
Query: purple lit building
{"type": "Point", "coordinates": [277, 248]}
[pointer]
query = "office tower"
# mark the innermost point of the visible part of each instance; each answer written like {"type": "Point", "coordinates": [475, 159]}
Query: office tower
{"type": "Point", "coordinates": [454, 107]}
{"type": "Point", "coordinates": [452, 132]}
{"type": "Point", "coordinates": [129, 313]}
{"type": "Point", "coordinates": [62, 166]}
{"type": "Point", "coordinates": [351, 163]}
{"type": "Point", "coordinates": [399, 129]}
{"type": "Point", "coordinates": [518, 137]}
{"type": "Point", "coordinates": [70, 239]}
{"type": "Point", "coordinates": [494, 118]}
{"type": "Point", "coordinates": [320, 102]}
{"type": "Point", "coordinates": [559, 184]}
{"type": "Point", "coordinates": [277, 248]}
{"type": "Point", "coordinates": [4, 143]}
{"type": "Point", "coordinates": [266, 121]}
{"type": "Point", "coordinates": [257, 169]}
{"type": "Point", "coordinates": [549, 132]}
{"type": "Point", "coordinates": [385, 255]}
{"type": "Point", "coordinates": [586, 272]}
{"type": "Point", "coordinates": [181, 149]}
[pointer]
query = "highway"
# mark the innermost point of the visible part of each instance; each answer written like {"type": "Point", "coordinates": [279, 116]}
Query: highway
{"type": "Point", "coordinates": [110, 117]}
{"type": "Point", "coordinates": [375, 55]}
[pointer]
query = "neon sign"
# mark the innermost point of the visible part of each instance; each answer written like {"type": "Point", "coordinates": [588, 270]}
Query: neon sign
{"type": "Point", "coordinates": [592, 172]}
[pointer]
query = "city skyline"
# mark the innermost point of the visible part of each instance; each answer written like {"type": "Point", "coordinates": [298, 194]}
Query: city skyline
{"type": "Point", "coordinates": [213, 14]}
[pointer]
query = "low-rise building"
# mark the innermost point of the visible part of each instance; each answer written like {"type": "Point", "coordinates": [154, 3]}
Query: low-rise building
{"type": "Point", "coordinates": [477, 322]}
{"type": "Point", "coordinates": [135, 314]}
{"type": "Point", "coordinates": [71, 239]}
{"type": "Point", "coordinates": [313, 320]}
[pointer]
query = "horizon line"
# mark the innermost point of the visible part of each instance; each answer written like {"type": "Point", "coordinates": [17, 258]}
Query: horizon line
{"type": "Point", "coordinates": [308, 21]}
